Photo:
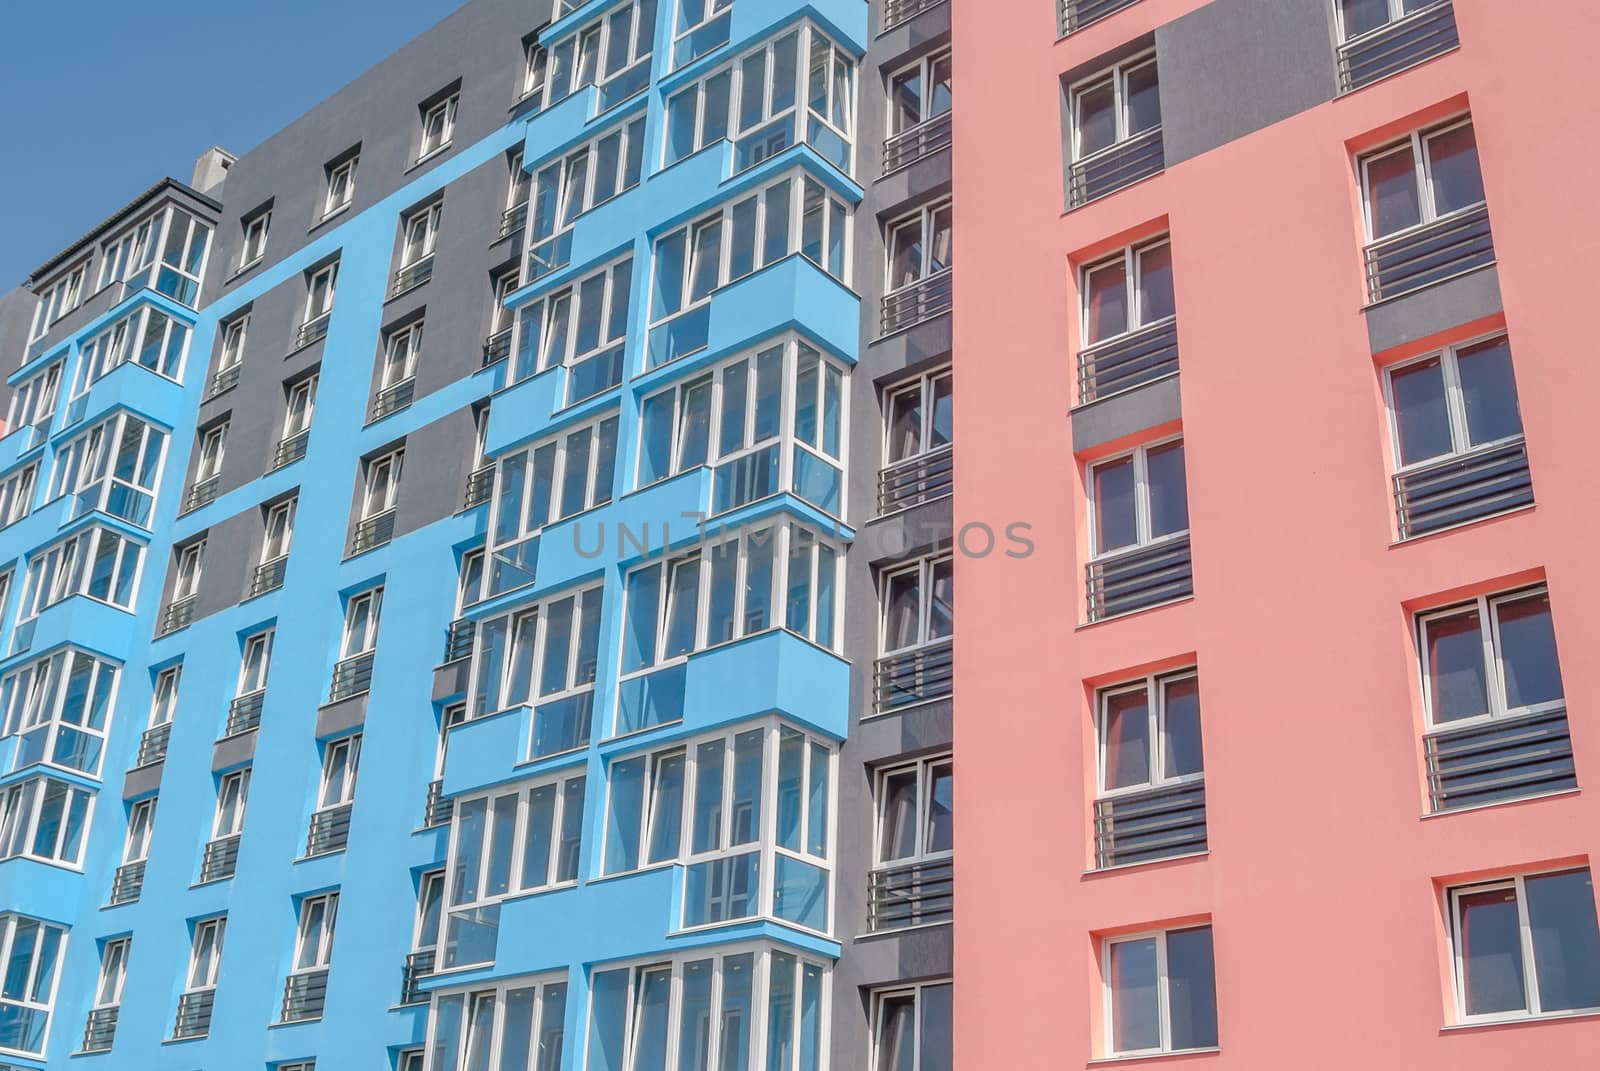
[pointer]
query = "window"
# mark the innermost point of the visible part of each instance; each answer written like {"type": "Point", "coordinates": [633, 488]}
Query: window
{"type": "Point", "coordinates": [518, 840]}
{"type": "Point", "coordinates": [361, 623]}
{"type": "Point", "coordinates": [582, 328]}
{"type": "Point", "coordinates": [183, 257]}
{"type": "Point", "coordinates": [58, 299]}
{"type": "Point", "coordinates": [917, 422]}
{"type": "Point", "coordinates": [470, 586]}
{"type": "Point", "coordinates": [920, 246]}
{"type": "Point", "coordinates": [1160, 992]}
{"type": "Point", "coordinates": [313, 946]}
{"type": "Point", "coordinates": [32, 952]}
{"type": "Point", "coordinates": [613, 51]}
{"type": "Point", "coordinates": [565, 188]}
{"type": "Point", "coordinates": [97, 562]}
{"type": "Point", "coordinates": [1430, 175]}
{"type": "Point", "coordinates": [113, 972]}
{"type": "Point", "coordinates": [132, 250]}
{"type": "Point", "coordinates": [233, 791]}
{"type": "Point", "coordinates": [164, 696]}
{"type": "Point", "coordinates": [707, 1002]}
{"type": "Point", "coordinates": [113, 467]}
{"type": "Point", "coordinates": [916, 812]}
{"type": "Point", "coordinates": [919, 92]}
{"type": "Point", "coordinates": [1494, 657]}
{"type": "Point", "coordinates": [1128, 291]}
{"type": "Point", "coordinates": [205, 954]}
{"type": "Point", "coordinates": [233, 338]}
{"type": "Point", "coordinates": [412, 1060]}
{"type": "Point", "coordinates": [59, 707]}
{"type": "Point", "coordinates": [147, 337]}
{"type": "Point", "coordinates": [44, 819]}
{"type": "Point", "coordinates": [501, 287]}
{"type": "Point", "coordinates": [1525, 947]}
{"type": "Point", "coordinates": [546, 483]}
{"type": "Point", "coordinates": [1115, 106]}
{"type": "Point", "coordinates": [400, 350]}
{"type": "Point", "coordinates": [535, 65]}
{"type": "Point", "coordinates": [919, 604]}
{"type": "Point", "coordinates": [518, 188]}
{"type": "Point", "coordinates": [319, 292]}
{"type": "Point", "coordinates": [16, 494]}
{"type": "Point", "coordinates": [279, 531]}
{"type": "Point", "coordinates": [702, 26]}
{"type": "Point", "coordinates": [438, 125]}
{"type": "Point", "coordinates": [912, 1027]}
{"type": "Point", "coordinates": [341, 185]}
{"type": "Point", "coordinates": [255, 661]}
{"type": "Point", "coordinates": [430, 904]}
{"type": "Point", "coordinates": [381, 490]}
{"type": "Point", "coordinates": [1453, 402]}
{"type": "Point", "coordinates": [1357, 17]}
{"type": "Point", "coordinates": [420, 233]}
{"type": "Point", "coordinates": [212, 443]}
{"type": "Point", "coordinates": [254, 247]}
{"type": "Point", "coordinates": [1138, 498]}
{"type": "Point", "coordinates": [186, 582]}
{"type": "Point", "coordinates": [299, 408]}
{"type": "Point", "coordinates": [516, 1024]}
{"type": "Point", "coordinates": [33, 402]}
{"type": "Point", "coordinates": [1150, 734]}
{"type": "Point", "coordinates": [141, 823]}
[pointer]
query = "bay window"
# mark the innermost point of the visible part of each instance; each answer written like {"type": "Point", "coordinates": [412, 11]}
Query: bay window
{"type": "Point", "coordinates": [46, 820]}
{"type": "Point", "coordinates": [920, 93]}
{"type": "Point", "coordinates": [582, 328]}
{"type": "Point", "coordinates": [97, 562]}
{"type": "Point", "coordinates": [514, 1025]}
{"type": "Point", "coordinates": [113, 467]}
{"type": "Point", "coordinates": [565, 188]}
{"type": "Point", "coordinates": [701, 26]}
{"type": "Point", "coordinates": [613, 51]}
{"type": "Point", "coordinates": [32, 952]}
{"type": "Point", "coordinates": [59, 707]}
{"type": "Point", "coordinates": [148, 337]}
{"type": "Point", "coordinates": [438, 125]}
{"type": "Point", "coordinates": [1526, 947]}
{"type": "Point", "coordinates": [1160, 992]}
{"type": "Point", "coordinates": [33, 402]}
{"type": "Point", "coordinates": [129, 251]}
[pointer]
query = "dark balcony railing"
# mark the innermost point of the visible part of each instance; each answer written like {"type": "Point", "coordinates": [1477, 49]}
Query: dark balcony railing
{"type": "Point", "coordinates": [202, 493]}
{"type": "Point", "coordinates": [291, 449]}
{"type": "Point", "coordinates": [177, 615]}
{"type": "Point", "coordinates": [1459, 490]}
{"type": "Point", "coordinates": [244, 713]}
{"type": "Point", "coordinates": [458, 640]}
{"type": "Point", "coordinates": [1120, 166]}
{"type": "Point", "coordinates": [1431, 254]}
{"type": "Point", "coordinates": [480, 487]}
{"type": "Point", "coordinates": [312, 331]}
{"type": "Point", "coordinates": [352, 676]}
{"type": "Point", "coordinates": [912, 895]}
{"type": "Point", "coordinates": [1157, 824]}
{"type": "Point", "coordinates": [269, 575]}
{"type": "Point", "coordinates": [100, 1030]}
{"type": "Point", "coordinates": [153, 745]}
{"type": "Point", "coordinates": [1148, 576]}
{"type": "Point", "coordinates": [395, 398]}
{"type": "Point", "coordinates": [419, 965]}
{"type": "Point", "coordinates": [897, 11]}
{"type": "Point", "coordinates": [1076, 14]}
{"type": "Point", "coordinates": [1128, 361]}
{"type": "Point", "coordinates": [916, 480]}
{"type": "Point", "coordinates": [304, 995]}
{"type": "Point", "coordinates": [440, 808]}
{"type": "Point", "coordinates": [497, 347]}
{"type": "Point", "coordinates": [916, 143]}
{"type": "Point", "coordinates": [194, 1014]}
{"type": "Point", "coordinates": [220, 860]}
{"type": "Point", "coordinates": [330, 830]}
{"type": "Point", "coordinates": [375, 531]}
{"type": "Point", "coordinates": [412, 276]}
{"type": "Point", "coordinates": [513, 219]}
{"type": "Point", "coordinates": [1507, 759]}
{"type": "Point", "coordinates": [923, 300]}
{"type": "Point", "coordinates": [1403, 43]}
{"type": "Point", "coordinates": [915, 676]}
{"type": "Point", "coordinates": [224, 381]}
{"type": "Point", "coordinates": [127, 883]}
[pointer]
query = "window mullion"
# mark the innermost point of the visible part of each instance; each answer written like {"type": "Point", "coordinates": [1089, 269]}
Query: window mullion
{"type": "Point", "coordinates": [1489, 632]}
{"type": "Point", "coordinates": [1163, 994]}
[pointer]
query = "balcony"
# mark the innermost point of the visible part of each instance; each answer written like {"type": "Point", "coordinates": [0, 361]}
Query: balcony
{"type": "Point", "coordinates": [458, 640]}
{"type": "Point", "coordinates": [221, 859]}
{"type": "Point", "coordinates": [922, 300]}
{"type": "Point", "coordinates": [269, 576]}
{"type": "Point", "coordinates": [153, 745]}
{"type": "Point", "coordinates": [1140, 827]}
{"type": "Point", "coordinates": [1076, 14]}
{"type": "Point", "coordinates": [419, 965]}
{"type": "Point", "coordinates": [351, 677]}
{"type": "Point", "coordinates": [917, 894]}
{"type": "Point", "coordinates": [290, 450]}
{"type": "Point", "coordinates": [100, 1030]}
{"type": "Point", "coordinates": [918, 675]}
{"type": "Point", "coordinates": [1128, 361]}
{"type": "Point", "coordinates": [223, 382]}
{"type": "Point", "coordinates": [497, 347]}
{"type": "Point", "coordinates": [373, 532]}
{"type": "Point", "coordinates": [202, 493]}
{"type": "Point", "coordinates": [330, 831]}
{"type": "Point", "coordinates": [897, 11]}
{"type": "Point", "coordinates": [127, 883]}
{"type": "Point", "coordinates": [1460, 490]}
{"type": "Point", "coordinates": [440, 808]}
{"type": "Point", "coordinates": [1507, 759]}
{"type": "Point", "coordinates": [1115, 168]}
{"type": "Point", "coordinates": [194, 1014]}
{"type": "Point", "coordinates": [393, 399]}
{"type": "Point", "coordinates": [1405, 42]}
{"type": "Point", "coordinates": [916, 143]}
{"type": "Point", "coordinates": [916, 480]}
{"type": "Point", "coordinates": [1141, 578]}
{"type": "Point", "coordinates": [412, 276]}
{"type": "Point", "coordinates": [312, 331]}
{"type": "Point", "coordinates": [244, 713]}
{"type": "Point", "coordinates": [177, 615]}
{"type": "Point", "coordinates": [480, 486]}
{"type": "Point", "coordinates": [513, 219]}
{"type": "Point", "coordinates": [304, 995]}
{"type": "Point", "coordinates": [1432, 253]}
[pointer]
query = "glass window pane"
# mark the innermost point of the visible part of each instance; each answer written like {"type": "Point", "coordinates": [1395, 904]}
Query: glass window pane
{"type": "Point", "coordinates": [538, 838]}
{"type": "Point", "coordinates": [650, 1020]}
{"type": "Point", "coordinates": [1135, 1000]}
{"type": "Point", "coordinates": [903, 610]}
{"type": "Point", "coordinates": [1155, 284]}
{"type": "Point", "coordinates": [666, 808]}
{"type": "Point", "coordinates": [694, 1021]}
{"type": "Point", "coordinates": [1360, 16]}
{"type": "Point", "coordinates": [898, 836]}
{"type": "Point", "coordinates": [639, 636]}
{"type": "Point", "coordinates": [758, 580]}
{"type": "Point", "coordinates": [1392, 196]}
{"type": "Point", "coordinates": [1169, 492]}
{"type": "Point", "coordinates": [1125, 739]}
{"type": "Point", "coordinates": [1144, 100]}
{"type": "Point", "coordinates": [1489, 391]}
{"type": "Point", "coordinates": [1456, 678]}
{"type": "Point", "coordinates": [936, 1029]}
{"type": "Point", "coordinates": [897, 1017]}
{"type": "Point", "coordinates": [1191, 989]}
{"type": "Point", "coordinates": [708, 796]}
{"type": "Point", "coordinates": [1566, 940]}
{"type": "Point", "coordinates": [1183, 753]}
{"type": "Point", "coordinates": [1106, 302]}
{"type": "Point", "coordinates": [720, 625]}
{"type": "Point", "coordinates": [748, 750]}
{"type": "Point", "coordinates": [683, 598]}
{"type": "Point", "coordinates": [905, 100]}
{"type": "Point", "coordinates": [1421, 416]}
{"type": "Point", "coordinates": [623, 820]}
{"type": "Point", "coordinates": [1097, 117]}
{"type": "Point", "coordinates": [1528, 652]}
{"type": "Point", "coordinates": [1115, 516]}
{"type": "Point", "coordinates": [738, 977]}
{"type": "Point", "coordinates": [942, 600]}
{"type": "Point", "coordinates": [1491, 953]}
{"type": "Point", "coordinates": [1457, 182]}
{"type": "Point", "coordinates": [940, 834]}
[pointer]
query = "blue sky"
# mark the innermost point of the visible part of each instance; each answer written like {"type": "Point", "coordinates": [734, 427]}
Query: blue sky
{"type": "Point", "coordinates": [104, 97]}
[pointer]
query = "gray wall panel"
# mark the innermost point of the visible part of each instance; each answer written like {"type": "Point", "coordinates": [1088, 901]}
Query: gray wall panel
{"type": "Point", "coordinates": [1438, 308]}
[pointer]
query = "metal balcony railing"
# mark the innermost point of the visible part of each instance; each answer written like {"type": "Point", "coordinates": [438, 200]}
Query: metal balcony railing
{"type": "Point", "coordinates": [1507, 759]}
{"type": "Point", "coordinates": [916, 143]}
{"type": "Point", "coordinates": [244, 713]}
{"type": "Point", "coordinates": [480, 486]}
{"type": "Point", "coordinates": [352, 676]}
{"type": "Point", "coordinates": [912, 895]}
{"type": "Point", "coordinates": [269, 576]}
{"type": "Point", "coordinates": [1076, 14]}
{"type": "Point", "coordinates": [1156, 824]}
{"type": "Point", "coordinates": [497, 347]}
{"type": "Point", "coordinates": [304, 995]}
{"type": "Point", "coordinates": [439, 808]}
{"type": "Point", "coordinates": [100, 1029]}
{"type": "Point", "coordinates": [1429, 254]}
{"type": "Point", "coordinates": [1403, 43]}
{"type": "Point", "coordinates": [393, 399]}
{"type": "Point", "coordinates": [194, 1014]}
{"type": "Point", "coordinates": [1128, 361]}
{"type": "Point", "coordinates": [897, 11]}
{"type": "Point", "coordinates": [225, 380]}
{"type": "Point", "coordinates": [915, 480]}
{"type": "Point", "coordinates": [202, 493]}
{"type": "Point", "coordinates": [220, 860]}
{"type": "Point", "coordinates": [922, 300]}
{"type": "Point", "coordinates": [312, 331]}
{"type": "Point", "coordinates": [153, 745]}
{"type": "Point", "coordinates": [914, 676]}
{"type": "Point", "coordinates": [177, 615]}
{"type": "Point", "coordinates": [375, 531]}
{"type": "Point", "coordinates": [1141, 578]}
{"type": "Point", "coordinates": [1459, 490]}
{"type": "Point", "coordinates": [291, 449]}
{"type": "Point", "coordinates": [330, 830]}
{"type": "Point", "coordinates": [127, 883]}
{"type": "Point", "coordinates": [412, 276]}
{"type": "Point", "coordinates": [458, 640]}
{"type": "Point", "coordinates": [1117, 167]}
{"type": "Point", "coordinates": [513, 219]}
{"type": "Point", "coordinates": [419, 965]}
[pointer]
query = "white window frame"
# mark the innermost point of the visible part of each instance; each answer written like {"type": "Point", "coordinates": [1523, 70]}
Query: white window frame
{"type": "Point", "coordinates": [535, 69]}
{"type": "Point", "coordinates": [254, 246]}
{"type": "Point", "coordinates": [33, 403]}
{"type": "Point", "coordinates": [429, 881]}
{"type": "Point", "coordinates": [187, 571]}
{"type": "Point", "coordinates": [341, 178]}
{"type": "Point", "coordinates": [401, 348]}
{"type": "Point", "coordinates": [215, 929]}
{"type": "Point", "coordinates": [22, 805]}
{"type": "Point", "coordinates": [597, 491]}
{"type": "Point", "coordinates": [35, 980]}
{"type": "Point", "coordinates": [278, 531]}
{"type": "Point", "coordinates": [236, 783]}
{"type": "Point", "coordinates": [370, 604]}
{"type": "Point", "coordinates": [1455, 404]}
{"type": "Point", "coordinates": [61, 570]}
{"type": "Point", "coordinates": [1118, 75]}
{"type": "Point", "coordinates": [493, 994]}
{"type": "Point", "coordinates": [1154, 689]}
{"type": "Point", "coordinates": [131, 250]}
{"type": "Point", "coordinates": [372, 505]}
{"type": "Point", "coordinates": [213, 444]}
{"type": "Point", "coordinates": [1132, 260]}
{"type": "Point", "coordinates": [59, 298]}
{"type": "Point", "coordinates": [1142, 515]}
{"type": "Point", "coordinates": [129, 341]}
{"type": "Point", "coordinates": [573, 181]}
{"type": "Point", "coordinates": [328, 275]}
{"type": "Point", "coordinates": [1487, 608]}
{"type": "Point", "coordinates": [305, 391]}
{"type": "Point", "coordinates": [925, 219]}
{"type": "Point", "coordinates": [927, 769]}
{"type": "Point", "coordinates": [16, 494]}
{"type": "Point", "coordinates": [141, 825]}
{"type": "Point", "coordinates": [925, 69]}
{"type": "Point", "coordinates": [113, 972]}
{"type": "Point", "coordinates": [314, 933]}
{"type": "Point", "coordinates": [234, 333]}
{"type": "Point", "coordinates": [419, 233]}
{"type": "Point", "coordinates": [1164, 1017]}
{"type": "Point", "coordinates": [1417, 143]}
{"type": "Point", "coordinates": [164, 695]}
{"type": "Point", "coordinates": [579, 679]}
{"type": "Point", "coordinates": [257, 648]}
{"type": "Point", "coordinates": [35, 694]}
{"type": "Point", "coordinates": [1397, 12]}
{"type": "Point", "coordinates": [438, 126]}
{"type": "Point", "coordinates": [925, 570]}
{"type": "Point", "coordinates": [883, 995]}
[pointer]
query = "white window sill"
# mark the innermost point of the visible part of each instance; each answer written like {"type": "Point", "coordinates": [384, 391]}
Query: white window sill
{"type": "Point", "coordinates": [331, 214]}
{"type": "Point", "coordinates": [429, 155]}
{"type": "Point", "coordinates": [1519, 1020]}
{"type": "Point", "coordinates": [1136, 1057]}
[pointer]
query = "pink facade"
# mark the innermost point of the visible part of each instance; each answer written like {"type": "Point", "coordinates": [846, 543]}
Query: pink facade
{"type": "Point", "coordinates": [1326, 875]}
